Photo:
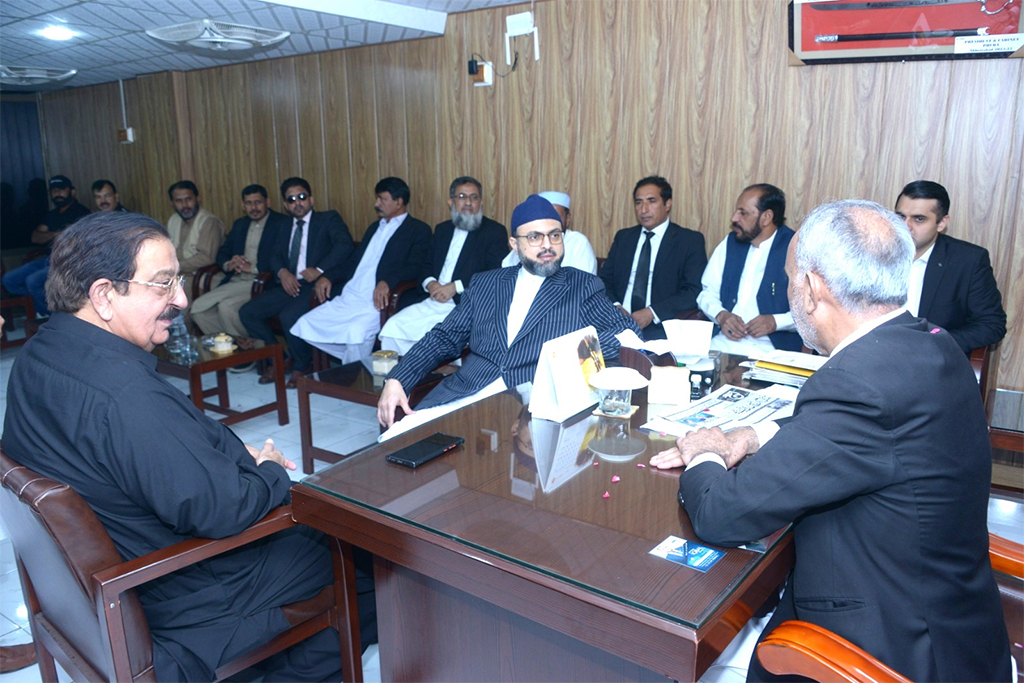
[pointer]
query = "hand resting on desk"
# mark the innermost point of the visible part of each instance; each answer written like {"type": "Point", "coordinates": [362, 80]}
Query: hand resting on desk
{"type": "Point", "coordinates": [392, 397]}
{"type": "Point", "coordinates": [731, 446]}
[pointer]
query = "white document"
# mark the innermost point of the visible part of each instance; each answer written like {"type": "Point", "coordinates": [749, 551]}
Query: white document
{"type": "Point", "coordinates": [561, 386]}
{"type": "Point", "coordinates": [727, 408]}
{"type": "Point", "coordinates": [686, 338]}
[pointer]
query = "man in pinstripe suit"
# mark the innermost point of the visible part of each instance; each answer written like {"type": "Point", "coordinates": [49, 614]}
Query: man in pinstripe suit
{"type": "Point", "coordinates": [505, 316]}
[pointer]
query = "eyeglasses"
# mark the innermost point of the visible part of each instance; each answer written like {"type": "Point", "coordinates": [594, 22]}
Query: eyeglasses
{"type": "Point", "coordinates": [172, 286]}
{"type": "Point", "coordinates": [291, 199]}
{"type": "Point", "coordinates": [463, 197]}
{"type": "Point", "coordinates": [535, 239]}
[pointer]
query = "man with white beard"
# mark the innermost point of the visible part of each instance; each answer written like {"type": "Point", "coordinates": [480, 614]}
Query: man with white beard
{"type": "Point", "coordinates": [467, 244]}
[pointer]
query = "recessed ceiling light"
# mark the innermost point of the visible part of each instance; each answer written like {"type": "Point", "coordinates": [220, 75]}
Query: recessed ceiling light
{"type": "Point", "coordinates": [58, 33]}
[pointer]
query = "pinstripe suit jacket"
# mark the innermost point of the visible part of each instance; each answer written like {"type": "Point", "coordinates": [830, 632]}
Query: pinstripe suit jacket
{"type": "Point", "coordinates": [567, 301]}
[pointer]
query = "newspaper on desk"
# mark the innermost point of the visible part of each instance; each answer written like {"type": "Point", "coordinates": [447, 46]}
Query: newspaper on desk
{"type": "Point", "coordinates": [727, 408]}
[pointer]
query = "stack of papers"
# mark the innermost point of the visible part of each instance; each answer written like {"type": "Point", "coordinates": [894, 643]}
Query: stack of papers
{"type": "Point", "coordinates": [784, 367]}
{"type": "Point", "coordinates": [728, 407]}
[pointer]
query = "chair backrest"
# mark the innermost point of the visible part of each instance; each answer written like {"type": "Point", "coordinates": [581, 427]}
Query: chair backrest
{"type": "Point", "coordinates": [60, 543]}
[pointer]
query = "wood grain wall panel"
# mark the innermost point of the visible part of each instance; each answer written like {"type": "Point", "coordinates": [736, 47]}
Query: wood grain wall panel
{"type": "Point", "coordinates": [311, 139]}
{"type": "Point", "coordinates": [392, 112]}
{"type": "Point", "coordinates": [266, 167]}
{"type": "Point", "coordinates": [337, 133]}
{"type": "Point", "coordinates": [154, 154]}
{"type": "Point", "coordinates": [557, 100]}
{"type": "Point", "coordinates": [452, 89]}
{"type": "Point", "coordinates": [220, 126]}
{"type": "Point", "coordinates": [622, 89]}
{"type": "Point", "coordinates": [484, 157]}
{"type": "Point", "coordinates": [284, 108]}
{"type": "Point", "coordinates": [597, 204]}
{"type": "Point", "coordinates": [365, 138]}
{"type": "Point", "coordinates": [424, 66]}
{"type": "Point", "coordinates": [912, 126]}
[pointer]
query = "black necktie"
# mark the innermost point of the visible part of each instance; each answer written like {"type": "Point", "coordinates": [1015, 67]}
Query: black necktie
{"type": "Point", "coordinates": [293, 252]}
{"type": "Point", "coordinates": [643, 272]}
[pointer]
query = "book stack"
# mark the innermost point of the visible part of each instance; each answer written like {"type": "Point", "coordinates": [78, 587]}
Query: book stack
{"type": "Point", "coordinates": [785, 367]}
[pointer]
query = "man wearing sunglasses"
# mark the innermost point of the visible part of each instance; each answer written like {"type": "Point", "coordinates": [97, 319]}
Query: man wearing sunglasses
{"type": "Point", "coordinates": [313, 242]}
{"type": "Point", "coordinates": [529, 305]}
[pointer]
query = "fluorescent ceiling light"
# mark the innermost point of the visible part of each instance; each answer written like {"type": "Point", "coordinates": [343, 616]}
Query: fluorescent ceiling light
{"type": "Point", "coordinates": [393, 14]}
{"type": "Point", "coordinates": [58, 33]}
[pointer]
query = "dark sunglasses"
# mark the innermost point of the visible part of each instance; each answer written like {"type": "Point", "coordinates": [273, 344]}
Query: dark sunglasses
{"type": "Point", "coordinates": [302, 196]}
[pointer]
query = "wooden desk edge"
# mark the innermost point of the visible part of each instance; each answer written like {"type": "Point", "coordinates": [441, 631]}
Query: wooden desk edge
{"type": "Point", "coordinates": [627, 632]}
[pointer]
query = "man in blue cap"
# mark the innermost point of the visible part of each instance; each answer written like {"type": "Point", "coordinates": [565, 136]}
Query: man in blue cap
{"type": "Point", "coordinates": [532, 303]}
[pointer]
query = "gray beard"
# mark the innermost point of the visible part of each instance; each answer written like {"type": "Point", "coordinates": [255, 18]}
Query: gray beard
{"type": "Point", "coordinates": [467, 221]}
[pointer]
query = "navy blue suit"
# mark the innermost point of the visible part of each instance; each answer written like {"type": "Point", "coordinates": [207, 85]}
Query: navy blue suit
{"type": "Point", "coordinates": [677, 271]}
{"type": "Point", "coordinates": [567, 301]}
{"type": "Point", "coordinates": [959, 294]}
{"type": "Point", "coordinates": [328, 244]}
{"type": "Point", "coordinates": [483, 249]}
{"type": "Point", "coordinates": [235, 242]}
{"type": "Point", "coordinates": [884, 471]}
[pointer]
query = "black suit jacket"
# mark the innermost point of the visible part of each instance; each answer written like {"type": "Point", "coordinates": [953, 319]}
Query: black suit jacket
{"type": "Point", "coordinates": [404, 257]}
{"type": "Point", "coordinates": [677, 271]}
{"type": "Point", "coordinates": [884, 472]}
{"type": "Point", "coordinates": [328, 244]}
{"type": "Point", "coordinates": [483, 250]}
{"type": "Point", "coordinates": [235, 242]}
{"type": "Point", "coordinates": [960, 294]}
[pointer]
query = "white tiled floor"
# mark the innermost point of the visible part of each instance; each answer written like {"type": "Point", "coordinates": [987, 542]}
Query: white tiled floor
{"type": "Point", "coordinates": [335, 423]}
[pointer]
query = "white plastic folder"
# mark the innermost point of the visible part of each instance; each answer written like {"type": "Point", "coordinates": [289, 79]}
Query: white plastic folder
{"type": "Point", "coordinates": [561, 386]}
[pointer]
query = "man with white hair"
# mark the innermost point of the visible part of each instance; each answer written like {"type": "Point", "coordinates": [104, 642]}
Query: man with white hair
{"type": "Point", "coordinates": [883, 470]}
{"type": "Point", "coordinates": [578, 252]}
{"type": "Point", "coordinates": [467, 244]}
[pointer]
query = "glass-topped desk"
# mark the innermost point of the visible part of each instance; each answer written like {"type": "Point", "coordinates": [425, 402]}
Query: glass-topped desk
{"type": "Point", "coordinates": [503, 560]}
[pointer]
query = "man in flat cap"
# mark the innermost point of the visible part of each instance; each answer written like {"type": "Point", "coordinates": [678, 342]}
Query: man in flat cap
{"type": "Point", "coordinates": [31, 278]}
{"type": "Point", "coordinates": [532, 303]}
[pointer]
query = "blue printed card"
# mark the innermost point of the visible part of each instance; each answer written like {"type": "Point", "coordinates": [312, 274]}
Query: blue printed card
{"type": "Point", "coordinates": [688, 553]}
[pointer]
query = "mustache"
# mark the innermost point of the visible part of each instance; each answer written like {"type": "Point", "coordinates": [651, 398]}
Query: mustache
{"type": "Point", "coordinates": [736, 226]}
{"type": "Point", "coordinates": [170, 314]}
{"type": "Point", "coordinates": [546, 252]}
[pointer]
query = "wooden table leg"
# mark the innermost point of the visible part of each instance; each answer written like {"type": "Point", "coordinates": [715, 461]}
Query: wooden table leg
{"type": "Point", "coordinates": [305, 428]}
{"type": "Point", "coordinates": [195, 387]}
{"type": "Point", "coordinates": [282, 391]}
{"type": "Point", "coordinates": [348, 620]}
{"type": "Point", "coordinates": [222, 389]}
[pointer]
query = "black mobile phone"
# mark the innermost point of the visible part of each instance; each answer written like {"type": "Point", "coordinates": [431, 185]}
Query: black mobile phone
{"type": "Point", "coordinates": [426, 450]}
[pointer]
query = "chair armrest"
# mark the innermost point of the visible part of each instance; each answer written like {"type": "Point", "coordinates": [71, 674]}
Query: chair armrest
{"type": "Point", "coordinates": [260, 282]}
{"type": "Point", "coordinates": [980, 359]}
{"type": "Point", "coordinates": [797, 647]}
{"type": "Point", "coordinates": [1006, 556]}
{"type": "Point", "coordinates": [202, 280]}
{"type": "Point", "coordinates": [113, 581]}
{"type": "Point", "coordinates": [396, 294]}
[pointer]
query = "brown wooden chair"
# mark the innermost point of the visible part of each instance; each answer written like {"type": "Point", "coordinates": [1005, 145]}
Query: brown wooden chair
{"type": "Point", "coordinates": [79, 592]}
{"type": "Point", "coordinates": [803, 649]}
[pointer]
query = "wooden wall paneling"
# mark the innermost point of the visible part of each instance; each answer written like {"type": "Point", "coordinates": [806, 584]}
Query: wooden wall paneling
{"type": "Point", "coordinates": [181, 112]}
{"type": "Point", "coordinates": [362, 109]}
{"type": "Point", "coordinates": [389, 86]}
{"type": "Point", "coordinates": [450, 82]}
{"type": "Point", "coordinates": [912, 127]}
{"type": "Point", "coordinates": [984, 181]}
{"type": "Point", "coordinates": [266, 166]}
{"type": "Point", "coordinates": [1010, 268]}
{"type": "Point", "coordinates": [284, 97]}
{"type": "Point", "coordinates": [220, 127]}
{"type": "Point", "coordinates": [557, 103]}
{"type": "Point", "coordinates": [597, 197]}
{"type": "Point", "coordinates": [520, 119]}
{"type": "Point", "coordinates": [484, 157]}
{"type": "Point", "coordinates": [337, 133]}
{"type": "Point", "coordinates": [311, 138]}
{"type": "Point", "coordinates": [424, 68]}
{"type": "Point", "coordinates": [155, 153]}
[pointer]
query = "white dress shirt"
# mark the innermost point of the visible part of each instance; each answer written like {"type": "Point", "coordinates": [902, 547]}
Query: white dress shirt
{"type": "Point", "coordinates": [450, 260]}
{"type": "Point", "coordinates": [916, 284]}
{"type": "Point", "coordinates": [710, 298]}
{"type": "Point", "coordinates": [303, 244]}
{"type": "Point", "coordinates": [656, 235]}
